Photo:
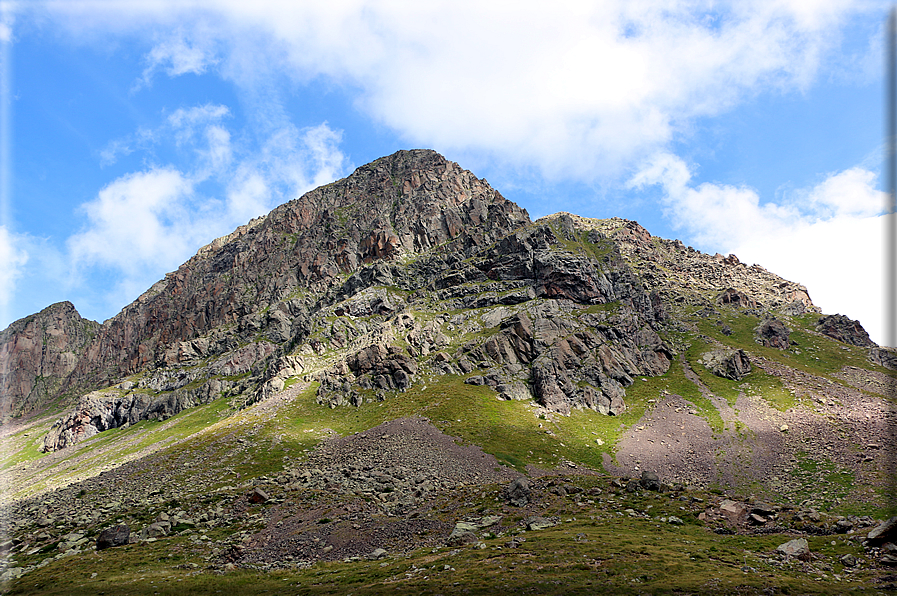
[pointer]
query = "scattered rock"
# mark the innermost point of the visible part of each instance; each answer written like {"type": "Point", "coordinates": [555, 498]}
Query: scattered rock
{"type": "Point", "coordinates": [540, 523]}
{"type": "Point", "coordinates": [734, 511]}
{"type": "Point", "coordinates": [650, 481]}
{"type": "Point", "coordinates": [884, 532]}
{"type": "Point", "coordinates": [772, 333]}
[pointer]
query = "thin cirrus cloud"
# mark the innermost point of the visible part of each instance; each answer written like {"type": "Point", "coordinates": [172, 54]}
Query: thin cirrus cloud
{"type": "Point", "coordinates": [176, 56]}
{"type": "Point", "coordinates": [827, 236]}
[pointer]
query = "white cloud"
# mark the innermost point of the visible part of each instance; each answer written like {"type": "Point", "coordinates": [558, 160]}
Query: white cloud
{"type": "Point", "coordinates": [136, 221]}
{"type": "Point", "coordinates": [572, 88]}
{"type": "Point", "coordinates": [13, 257]}
{"type": "Point", "coordinates": [177, 56]}
{"type": "Point", "coordinates": [827, 237]}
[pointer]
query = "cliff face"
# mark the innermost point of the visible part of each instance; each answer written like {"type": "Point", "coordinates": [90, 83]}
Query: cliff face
{"type": "Point", "coordinates": [410, 267]}
{"type": "Point", "coordinates": [38, 353]}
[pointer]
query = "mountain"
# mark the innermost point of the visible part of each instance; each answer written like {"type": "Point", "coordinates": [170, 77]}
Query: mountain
{"type": "Point", "coordinates": [333, 348]}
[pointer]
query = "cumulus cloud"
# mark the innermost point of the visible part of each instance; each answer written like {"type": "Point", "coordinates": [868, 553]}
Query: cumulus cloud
{"type": "Point", "coordinates": [570, 88]}
{"type": "Point", "coordinates": [828, 236]}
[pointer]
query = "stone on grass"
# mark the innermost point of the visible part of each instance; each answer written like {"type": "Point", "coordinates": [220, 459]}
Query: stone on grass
{"type": "Point", "coordinates": [539, 523]}
{"type": "Point", "coordinates": [114, 536]}
{"type": "Point", "coordinates": [795, 548]}
{"type": "Point", "coordinates": [650, 481]}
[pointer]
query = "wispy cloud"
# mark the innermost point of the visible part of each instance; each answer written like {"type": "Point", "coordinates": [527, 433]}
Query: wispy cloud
{"type": "Point", "coordinates": [176, 56]}
{"type": "Point", "coordinates": [827, 236]}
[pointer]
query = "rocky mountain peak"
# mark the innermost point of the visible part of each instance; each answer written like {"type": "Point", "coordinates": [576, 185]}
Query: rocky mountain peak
{"type": "Point", "coordinates": [411, 267]}
{"type": "Point", "coordinates": [38, 352]}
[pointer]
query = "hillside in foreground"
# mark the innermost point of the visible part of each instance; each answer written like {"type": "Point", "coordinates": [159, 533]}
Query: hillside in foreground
{"type": "Point", "coordinates": [314, 403]}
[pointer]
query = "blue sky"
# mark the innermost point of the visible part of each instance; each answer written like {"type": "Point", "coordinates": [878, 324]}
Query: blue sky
{"type": "Point", "coordinates": [135, 132]}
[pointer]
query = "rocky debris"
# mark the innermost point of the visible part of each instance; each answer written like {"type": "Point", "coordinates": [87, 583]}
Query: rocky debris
{"type": "Point", "coordinates": [37, 355]}
{"type": "Point", "coordinates": [727, 363]}
{"type": "Point", "coordinates": [115, 536]}
{"type": "Point", "coordinates": [681, 274]}
{"type": "Point", "coordinates": [884, 532]}
{"type": "Point", "coordinates": [797, 548]}
{"type": "Point", "coordinates": [399, 464]}
{"type": "Point", "coordinates": [845, 330]}
{"type": "Point", "coordinates": [772, 333]}
{"type": "Point", "coordinates": [518, 492]}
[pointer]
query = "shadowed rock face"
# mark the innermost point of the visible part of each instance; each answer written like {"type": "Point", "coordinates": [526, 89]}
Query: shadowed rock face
{"type": "Point", "coordinates": [38, 353]}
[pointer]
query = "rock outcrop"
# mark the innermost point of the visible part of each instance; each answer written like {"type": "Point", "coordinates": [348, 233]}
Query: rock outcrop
{"type": "Point", "coordinates": [772, 333]}
{"type": "Point", "coordinates": [845, 330]}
